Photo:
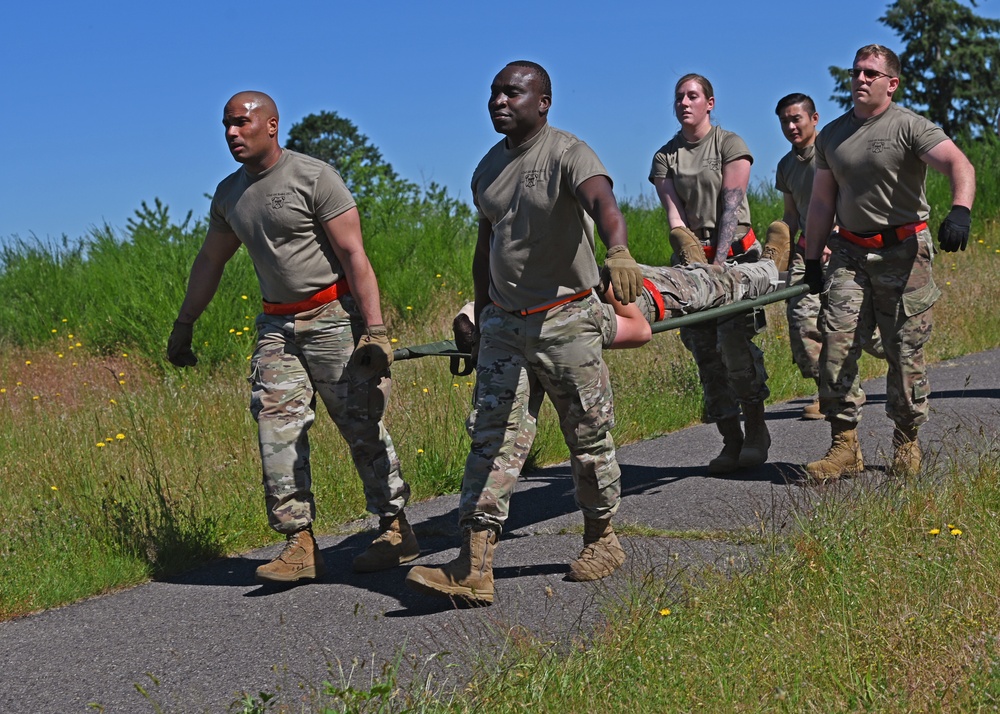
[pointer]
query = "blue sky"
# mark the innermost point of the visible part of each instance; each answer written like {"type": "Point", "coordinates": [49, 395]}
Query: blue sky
{"type": "Point", "coordinates": [110, 104]}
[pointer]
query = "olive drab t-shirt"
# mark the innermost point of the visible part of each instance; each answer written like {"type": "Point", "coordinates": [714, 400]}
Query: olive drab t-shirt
{"type": "Point", "coordinates": [876, 163]}
{"type": "Point", "coordinates": [542, 244]}
{"type": "Point", "coordinates": [695, 167]}
{"type": "Point", "coordinates": [278, 215]}
{"type": "Point", "coordinates": [795, 177]}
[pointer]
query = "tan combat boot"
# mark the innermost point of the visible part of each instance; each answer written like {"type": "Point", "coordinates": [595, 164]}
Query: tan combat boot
{"type": "Point", "coordinates": [732, 443]}
{"type": "Point", "coordinates": [469, 576]}
{"type": "Point", "coordinates": [812, 411]}
{"type": "Point", "coordinates": [844, 456]}
{"type": "Point", "coordinates": [395, 544]}
{"type": "Point", "coordinates": [687, 249]}
{"type": "Point", "coordinates": [299, 560]}
{"type": "Point", "coordinates": [906, 454]}
{"type": "Point", "coordinates": [757, 440]}
{"type": "Point", "coordinates": [602, 554]}
{"type": "Point", "coordinates": [777, 245]}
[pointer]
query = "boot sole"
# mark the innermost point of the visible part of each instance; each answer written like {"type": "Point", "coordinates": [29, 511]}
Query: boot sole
{"type": "Point", "coordinates": [417, 583]}
{"type": "Point", "coordinates": [811, 416]}
{"type": "Point", "coordinates": [304, 574]}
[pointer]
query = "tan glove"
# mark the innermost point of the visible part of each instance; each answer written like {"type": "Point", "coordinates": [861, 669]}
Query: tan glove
{"type": "Point", "coordinates": [372, 355]}
{"type": "Point", "coordinates": [179, 350]}
{"type": "Point", "coordinates": [626, 277]}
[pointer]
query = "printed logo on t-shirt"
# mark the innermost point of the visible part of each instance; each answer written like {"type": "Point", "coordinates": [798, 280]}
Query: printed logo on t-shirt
{"type": "Point", "coordinates": [277, 200]}
{"type": "Point", "coordinates": [713, 164]}
{"type": "Point", "coordinates": [876, 146]}
{"type": "Point", "coordinates": [530, 178]}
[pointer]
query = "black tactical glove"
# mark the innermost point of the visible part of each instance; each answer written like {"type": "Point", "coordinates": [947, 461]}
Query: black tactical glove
{"type": "Point", "coordinates": [953, 235]}
{"type": "Point", "coordinates": [373, 354]}
{"type": "Point", "coordinates": [466, 336]}
{"type": "Point", "coordinates": [814, 276]}
{"type": "Point", "coordinates": [626, 276]}
{"type": "Point", "coordinates": [179, 350]}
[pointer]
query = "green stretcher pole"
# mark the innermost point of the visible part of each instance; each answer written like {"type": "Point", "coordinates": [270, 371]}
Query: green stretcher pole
{"type": "Point", "coordinates": [733, 308]}
{"type": "Point", "coordinates": [446, 348]}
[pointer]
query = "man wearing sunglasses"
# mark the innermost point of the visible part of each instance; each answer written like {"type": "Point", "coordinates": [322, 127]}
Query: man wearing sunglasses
{"type": "Point", "coordinates": [871, 164]}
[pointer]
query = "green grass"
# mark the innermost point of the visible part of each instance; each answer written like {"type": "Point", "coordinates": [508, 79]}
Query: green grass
{"type": "Point", "coordinates": [176, 478]}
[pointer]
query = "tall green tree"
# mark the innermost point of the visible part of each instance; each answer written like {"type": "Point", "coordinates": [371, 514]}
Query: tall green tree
{"type": "Point", "coordinates": [338, 141]}
{"type": "Point", "coordinates": [950, 64]}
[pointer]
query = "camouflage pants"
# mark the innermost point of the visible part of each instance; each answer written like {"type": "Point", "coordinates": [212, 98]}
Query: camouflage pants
{"type": "Point", "coordinates": [891, 289]}
{"type": "Point", "coordinates": [730, 365]}
{"type": "Point", "coordinates": [804, 333]}
{"type": "Point", "coordinates": [522, 359]}
{"type": "Point", "coordinates": [296, 358]}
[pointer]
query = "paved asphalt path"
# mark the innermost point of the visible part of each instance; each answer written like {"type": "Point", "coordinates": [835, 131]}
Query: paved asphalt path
{"type": "Point", "coordinates": [211, 634]}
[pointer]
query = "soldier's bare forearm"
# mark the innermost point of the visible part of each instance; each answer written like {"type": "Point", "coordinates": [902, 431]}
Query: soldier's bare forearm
{"type": "Point", "coordinates": [732, 199]}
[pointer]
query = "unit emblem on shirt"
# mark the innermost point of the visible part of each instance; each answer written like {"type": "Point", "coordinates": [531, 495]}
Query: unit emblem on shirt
{"type": "Point", "coordinates": [530, 178]}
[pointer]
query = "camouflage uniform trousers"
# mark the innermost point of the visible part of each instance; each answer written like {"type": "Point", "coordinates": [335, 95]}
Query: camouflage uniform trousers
{"type": "Point", "coordinates": [804, 333]}
{"type": "Point", "coordinates": [522, 359]}
{"type": "Point", "coordinates": [889, 288]}
{"type": "Point", "coordinates": [730, 365]}
{"type": "Point", "coordinates": [296, 358]}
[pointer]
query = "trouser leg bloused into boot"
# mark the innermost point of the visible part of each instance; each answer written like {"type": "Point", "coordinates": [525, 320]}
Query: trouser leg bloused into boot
{"type": "Point", "coordinates": [469, 576]}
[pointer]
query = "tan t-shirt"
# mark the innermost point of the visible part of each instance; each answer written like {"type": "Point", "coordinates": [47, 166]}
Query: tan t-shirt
{"type": "Point", "coordinates": [795, 177]}
{"type": "Point", "coordinates": [278, 215]}
{"type": "Point", "coordinates": [876, 163]}
{"type": "Point", "coordinates": [695, 167]}
{"type": "Point", "coordinates": [542, 245]}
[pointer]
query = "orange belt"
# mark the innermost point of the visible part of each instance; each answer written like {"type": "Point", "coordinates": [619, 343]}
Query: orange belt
{"type": "Point", "coordinates": [548, 305]}
{"type": "Point", "coordinates": [739, 246]}
{"type": "Point", "coordinates": [661, 309]}
{"type": "Point", "coordinates": [886, 239]}
{"type": "Point", "coordinates": [324, 296]}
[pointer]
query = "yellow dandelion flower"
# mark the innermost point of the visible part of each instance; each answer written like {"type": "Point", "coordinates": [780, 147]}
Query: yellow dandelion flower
{"type": "Point", "coordinates": [110, 401]}
{"type": "Point", "coordinates": [121, 381]}
{"type": "Point", "coordinates": [956, 531]}
{"type": "Point", "coordinates": [65, 320]}
{"type": "Point", "coordinates": [232, 330]}
{"type": "Point", "coordinates": [950, 526]}
{"type": "Point", "coordinates": [124, 354]}
{"type": "Point", "coordinates": [108, 438]}
{"type": "Point", "coordinates": [413, 383]}
{"type": "Point", "coordinates": [244, 297]}
{"type": "Point", "coordinates": [54, 330]}
{"type": "Point", "coordinates": [947, 282]}
{"type": "Point", "coordinates": [981, 241]}
{"type": "Point", "coordinates": [420, 451]}
{"type": "Point", "coordinates": [468, 384]}
{"type": "Point", "coordinates": [119, 436]}
{"type": "Point", "coordinates": [36, 397]}
{"type": "Point", "coordinates": [438, 275]}
{"type": "Point", "coordinates": [69, 337]}
{"type": "Point", "coordinates": [409, 307]}
{"type": "Point", "coordinates": [240, 333]}
{"type": "Point", "coordinates": [54, 488]}
{"type": "Point", "coordinates": [426, 390]}
{"type": "Point", "coordinates": [75, 364]}
{"type": "Point", "coordinates": [455, 385]}
{"type": "Point", "coordinates": [18, 384]}
{"type": "Point", "coordinates": [99, 444]}
{"type": "Point", "coordinates": [248, 356]}
{"type": "Point", "coordinates": [79, 344]}
{"type": "Point", "coordinates": [459, 292]}
{"type": "Point", "coordinates": [3, 390]}
{"type": "Point", "coordinates": [27, 362]}
{"type": "Point", "coordinates": [664, 611]}
{"type": "Point", "coordinates": [934, 531]}
{"type": "Point", "coordinates": [246, 329]}
{"type": "Point", "coordinates": [393, 340]}
{"type": "Point", "coordinates": [59, 355]}
{"type": "Point", "coordinates": [121, 374]}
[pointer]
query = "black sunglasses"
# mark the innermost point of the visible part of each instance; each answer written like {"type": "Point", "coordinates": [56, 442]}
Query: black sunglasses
{"type": "Point", "coordinates": [870, 74]}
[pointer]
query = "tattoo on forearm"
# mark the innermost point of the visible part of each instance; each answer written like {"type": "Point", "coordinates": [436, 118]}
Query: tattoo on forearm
{"type": "Point", "coordinates": [732, 199]}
